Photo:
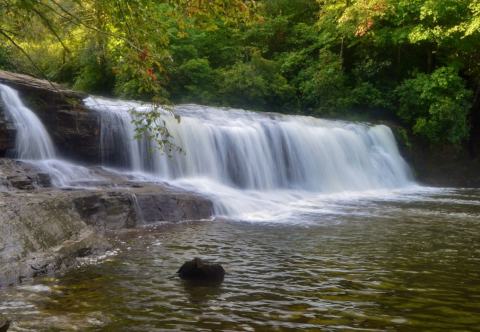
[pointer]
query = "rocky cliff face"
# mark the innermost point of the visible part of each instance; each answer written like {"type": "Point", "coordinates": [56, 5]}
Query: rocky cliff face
{"type": "Point", "coordinates": [442, 165]}
{"type": "Point", "coordinates": [7, 134]}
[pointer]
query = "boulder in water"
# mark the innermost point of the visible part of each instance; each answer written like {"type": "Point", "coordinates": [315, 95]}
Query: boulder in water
{"type": "Point", "coordinates": [198, 269]}
{"type": "Point", "coordinates": [4, 325]}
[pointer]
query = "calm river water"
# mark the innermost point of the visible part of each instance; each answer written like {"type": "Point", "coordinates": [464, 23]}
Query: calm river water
{"type": "Point", "coordinates": [405, 261]}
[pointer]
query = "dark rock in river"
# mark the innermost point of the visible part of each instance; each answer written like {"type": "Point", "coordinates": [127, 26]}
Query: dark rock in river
{"type": "Point", "coordinates": [198, 269]}
{"type": "Point", "coordinates": [4, 325]}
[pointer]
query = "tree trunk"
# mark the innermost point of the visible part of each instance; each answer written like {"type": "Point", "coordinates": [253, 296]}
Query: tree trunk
{"type": "Point", "coordinates": [429, 62]}
{"type": "Point", "coordinates": [398, 61]}
{"type": "Point", "coordinates": [342, 46]}
{"type": "Point", "coordinates": [477, 93]}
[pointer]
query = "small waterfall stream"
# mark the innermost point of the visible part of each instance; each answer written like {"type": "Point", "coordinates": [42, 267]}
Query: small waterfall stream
{"type": "Point", "coordinates": [34, 145]}
{"type": "Point", "coordinates": [32, 141]}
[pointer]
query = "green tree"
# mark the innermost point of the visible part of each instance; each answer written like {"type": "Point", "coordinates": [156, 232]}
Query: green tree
{"type": "Point", "coordinates": [6, 57]}
{"type": "Point", "coordinates": [337, 58]}
{"type": "Point", "coordinates": [324, 85]}
{"type": "Point", "coordinates": [436, 105]}
{"type": "Point", "coordinates": [255, 84]}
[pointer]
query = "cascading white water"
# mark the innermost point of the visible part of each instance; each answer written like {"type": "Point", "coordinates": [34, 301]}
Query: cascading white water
{"type": "Point", "coordinates": [34, 145]}
{"type": "Point", "coordinates": [32, 140]}
{"type": "Point", "coordinates": [237, 156]}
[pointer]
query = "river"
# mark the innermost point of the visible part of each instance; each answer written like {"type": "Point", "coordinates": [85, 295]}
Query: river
{"type": "Point", "coordinates": [405, 260]}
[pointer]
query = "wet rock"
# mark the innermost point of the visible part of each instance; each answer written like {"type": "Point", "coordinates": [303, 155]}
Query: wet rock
{"type": "Point", "coordinates": [105, 213]}
{"type": "Point", "coordinates": [48, 228]}
{"type": "Point", "coordinates": [118, 210]}
{"type": "Point", "coordinates": [22, 182]}
{"type": "Point", "coordinates": [7, 133]}
{"type": "Point", "coordinates": [44, 180]}
{"type": "Point", "coordinates": [15, 174]}
{"type": "Point", "coordinates": [172, 207]}
{"type": "Point", "coordinates": [4, 325]}
{"type": "Point", "coordinates": [39, 236]}
{"type": "Point", "coordinates": [198, 269]}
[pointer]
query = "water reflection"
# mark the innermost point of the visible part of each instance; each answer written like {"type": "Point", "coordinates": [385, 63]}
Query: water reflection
{"type": "Point", "coordinates": [201, 291]}
{"type": "Point", "coordinates": [405, 263]}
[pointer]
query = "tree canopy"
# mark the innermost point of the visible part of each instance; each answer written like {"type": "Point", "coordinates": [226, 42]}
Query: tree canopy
{"type": "Point", "coordinates": [417, 61]}
{"type": "Point", "coordinates": [109, 46]}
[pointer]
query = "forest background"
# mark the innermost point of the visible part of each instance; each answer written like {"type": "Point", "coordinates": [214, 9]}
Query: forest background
{"type": "Point", "coordinates": [414, 61]}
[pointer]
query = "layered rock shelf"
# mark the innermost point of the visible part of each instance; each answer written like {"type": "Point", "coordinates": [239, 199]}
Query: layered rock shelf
{"type": "Point", "coordinates": [44, 229]}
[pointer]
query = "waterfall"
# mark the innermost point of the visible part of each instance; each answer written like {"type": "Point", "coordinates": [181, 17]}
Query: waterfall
{"type": "Point", "coordinates": [255, 151]}
{"type": "Point", "coordinates": [257, 166]}
{"type": "Point", "coordinates": [253, 166]}
{"type": "Point", "coordinates": [34, 145]}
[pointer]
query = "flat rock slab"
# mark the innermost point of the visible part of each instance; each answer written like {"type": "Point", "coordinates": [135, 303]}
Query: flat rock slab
{"type": "Point", "coordinates": [27, 82]}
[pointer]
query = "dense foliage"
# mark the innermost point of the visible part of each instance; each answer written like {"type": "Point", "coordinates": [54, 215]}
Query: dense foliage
{"type": "Point", "coordinates": [109, 46]}
{"type": "Point", "coordinates": [413, 60]}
